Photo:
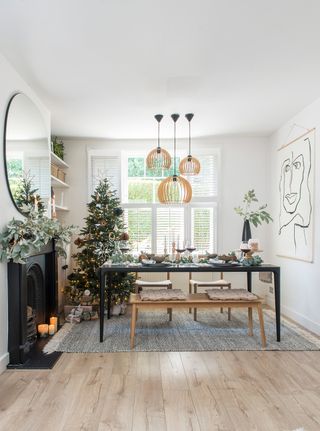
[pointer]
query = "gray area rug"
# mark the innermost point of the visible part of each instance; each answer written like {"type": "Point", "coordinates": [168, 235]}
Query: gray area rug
{"type": "Point", "coordinates": [154, 333]}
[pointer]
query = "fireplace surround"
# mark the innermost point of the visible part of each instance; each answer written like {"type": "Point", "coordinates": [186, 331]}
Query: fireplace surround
{"type": "Point", "coordinates": [32, 299]}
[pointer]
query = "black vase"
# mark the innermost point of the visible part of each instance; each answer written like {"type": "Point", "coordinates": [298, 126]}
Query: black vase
{"type": "Point", "coordinates": [246, 231]}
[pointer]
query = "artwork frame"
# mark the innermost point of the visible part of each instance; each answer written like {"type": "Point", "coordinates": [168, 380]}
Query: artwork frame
{"type": "Point", "coordinates": [296, 170]}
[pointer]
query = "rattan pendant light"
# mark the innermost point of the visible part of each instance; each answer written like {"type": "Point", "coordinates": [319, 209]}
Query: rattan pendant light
{"type": "Point", "coordinates": [189, 165]}
{"type": "Point", "coordinates": [174, 189]}
{"type": "Point", "coordinates": [158, 158]}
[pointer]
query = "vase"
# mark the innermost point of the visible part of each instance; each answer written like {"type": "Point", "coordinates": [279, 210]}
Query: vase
{"type": "Point", "coordinates": [246, 231]}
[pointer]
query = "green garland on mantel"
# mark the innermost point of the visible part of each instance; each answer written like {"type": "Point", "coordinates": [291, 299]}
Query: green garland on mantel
{"type": "Point", "coordinates": [21, 238]}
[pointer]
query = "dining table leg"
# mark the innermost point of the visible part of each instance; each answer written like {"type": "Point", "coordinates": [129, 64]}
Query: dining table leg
{"type": "Point", "coordinates": [109, 288]}
{"type": "Point", "coordinates": [102, 287]}
{"type": "Point", "coordinates": [276, 275]}
{"type": "Point", "coordinates": [249, 281]}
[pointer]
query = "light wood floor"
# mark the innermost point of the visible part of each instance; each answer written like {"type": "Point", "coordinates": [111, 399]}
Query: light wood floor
{"type": "Point", "coordinates": [166, 391]}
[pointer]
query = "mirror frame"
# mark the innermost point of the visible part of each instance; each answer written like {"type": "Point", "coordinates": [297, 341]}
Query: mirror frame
{"type": "Point", "coordinates": [5, 144]}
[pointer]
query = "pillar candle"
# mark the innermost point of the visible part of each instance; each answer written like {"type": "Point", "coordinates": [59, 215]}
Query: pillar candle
{"type": "Point", "coordinates": [51, 329]}
{"type": "Point", "coordinates": [54, 321]}
{"type": "Point", "coordinates": [43, 329]}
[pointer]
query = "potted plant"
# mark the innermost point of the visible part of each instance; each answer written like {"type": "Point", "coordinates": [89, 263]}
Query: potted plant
{"type": "Point", "coordinates": [251, 215]}
{"type": "Point", "coordinates": [57, 147]}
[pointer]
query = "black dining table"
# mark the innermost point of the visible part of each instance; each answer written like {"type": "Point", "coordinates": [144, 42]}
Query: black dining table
{"type": "Point", "coordinates": [105, 280]}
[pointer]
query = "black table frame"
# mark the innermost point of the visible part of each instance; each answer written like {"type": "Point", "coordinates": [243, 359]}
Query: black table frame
{"type": "Point", "coordinates": [105, 274]}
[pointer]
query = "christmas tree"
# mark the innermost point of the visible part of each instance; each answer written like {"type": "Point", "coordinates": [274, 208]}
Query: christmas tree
{"type": "Point", "coordinates": [98, 241]}
{"type": "Point", "coordinates": [26, 195]}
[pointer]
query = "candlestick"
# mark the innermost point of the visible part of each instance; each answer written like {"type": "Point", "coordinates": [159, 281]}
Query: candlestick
{"type": "Point", "coordinates": [51, 330]}
{"type": "Point", "coordinates": [173, 247]}
{"type": "Point", "coordinates": [178, 241]}
{"type": "Point", "coordinates": [35, 203]}
{"type": "Point", "coordinates": [165, 245]}
{"type": "Point", "coordinates": [43, 329]}
{"type": "Point", "coordinates": [54, 321]}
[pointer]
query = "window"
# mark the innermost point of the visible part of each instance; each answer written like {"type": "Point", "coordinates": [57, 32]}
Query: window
{"type": "Point", "coordinates": [102, 166]}
{"type": "Point", "coordinates": [153, 227]}
{"type": "Point", "coordinates": [139, 222]}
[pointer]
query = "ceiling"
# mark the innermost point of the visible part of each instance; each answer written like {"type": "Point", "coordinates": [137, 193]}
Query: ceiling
{"type": "Point", "coordinates": [105, 67]}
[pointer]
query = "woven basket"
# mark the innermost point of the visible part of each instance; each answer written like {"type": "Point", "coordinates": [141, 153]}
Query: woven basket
{"type": "Point", "coordinates": [54, 170]}
{"type": "Point", "coordinates": [61, 175]}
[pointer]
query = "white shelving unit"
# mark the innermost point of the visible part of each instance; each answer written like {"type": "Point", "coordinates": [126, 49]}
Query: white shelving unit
{"type": "Point", "coordinates": [60, 208]}
{"type": "Point", "coordinates": [59, 162]}
{"type": "Point", "coordinates": [56, 183]}
{"type": "Point", "coordinates": [59, 186]}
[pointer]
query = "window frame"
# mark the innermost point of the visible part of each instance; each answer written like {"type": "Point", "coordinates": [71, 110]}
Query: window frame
{"type": "Point", "coordinates": [197, 202]}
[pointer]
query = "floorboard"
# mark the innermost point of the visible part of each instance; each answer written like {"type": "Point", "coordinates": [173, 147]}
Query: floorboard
{"type": "Point", "coordinates": [165, 391]}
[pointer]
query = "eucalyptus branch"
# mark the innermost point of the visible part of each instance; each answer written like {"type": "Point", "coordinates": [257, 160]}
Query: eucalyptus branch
{"type": "Point", "coordinates": [256, 217]}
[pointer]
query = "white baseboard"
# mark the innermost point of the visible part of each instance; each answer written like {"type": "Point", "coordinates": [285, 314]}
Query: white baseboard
{"type": "Point", "coordinates": [297, 317]}
{"type": "Point", "coordinates": [4, 360]}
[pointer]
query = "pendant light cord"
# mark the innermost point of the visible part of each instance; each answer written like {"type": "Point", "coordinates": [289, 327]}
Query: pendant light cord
{"type": "Point", "coordinates": [159, 134]}
{"type": "Point", "coordinates": [189, 138]}
{"type": "Point", "coordinates": [174, 149]}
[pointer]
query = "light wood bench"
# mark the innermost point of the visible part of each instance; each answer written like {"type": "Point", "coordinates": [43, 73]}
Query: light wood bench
{"type": "Point", "coordinates": [196, 300]}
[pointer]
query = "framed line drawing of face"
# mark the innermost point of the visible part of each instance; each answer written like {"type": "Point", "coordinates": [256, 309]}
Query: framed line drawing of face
{"type": "Point", "coordinates": [296, 184]}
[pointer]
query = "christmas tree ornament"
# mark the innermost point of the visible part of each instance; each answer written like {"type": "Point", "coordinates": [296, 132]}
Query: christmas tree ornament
{"type": "Point", "coordinates": [124, 237]}
{"type": "Point", "coordinates": [118, 211]}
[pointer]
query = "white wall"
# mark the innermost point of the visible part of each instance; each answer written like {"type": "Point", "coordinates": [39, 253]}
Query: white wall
{"type": "Point", "coordinates": [10, 83]}
{"type": "Point", "coordinates": [243, 166]}
{"type": "Point", "coordinates": [300, 281]}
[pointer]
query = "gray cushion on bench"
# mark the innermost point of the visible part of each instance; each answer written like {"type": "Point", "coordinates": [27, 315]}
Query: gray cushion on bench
{"type": "Point", "coordinates": [231, 295]}
{"type": "Point", "coordinates": [162, 295]}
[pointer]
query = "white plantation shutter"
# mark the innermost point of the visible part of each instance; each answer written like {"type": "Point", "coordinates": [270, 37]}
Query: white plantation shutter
{"type": "Point", "coordinates": [205, 185]}
{"type": "Point", "coordinates": [151, 224]}
{"type": "Point", "coordinates": [203, 229]}
{"type": "Point", "coordinates": [169, 226]}
{"type": "Point", "coordinates": [139, 223]}
{"type": "Point", "coordinates": [39, 171]}
{"type": "Point", "coordinates": [105, 167]}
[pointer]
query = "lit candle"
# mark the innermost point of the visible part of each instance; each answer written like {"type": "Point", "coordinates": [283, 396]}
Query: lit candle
{"type": "Point", "coordinates": [51, 329]}
{"type": "Point", "coordinates": [43, 329]}
{"type": "Point", "coordinates": [178, 241]}
{"type": "Point", "coordinates": [54, 322]}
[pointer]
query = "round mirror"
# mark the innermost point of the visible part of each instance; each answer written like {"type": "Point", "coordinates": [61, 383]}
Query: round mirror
{"type": "Point", "coordinates": [26, 154]}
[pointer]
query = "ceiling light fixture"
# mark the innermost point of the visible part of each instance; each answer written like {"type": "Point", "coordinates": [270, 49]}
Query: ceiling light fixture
{"type": "Point", "coordinates": [158, 158]}
{"type": "Point", "coordinates": [189, 165]}
{"type": "Point", "coordinates": [174, 189]}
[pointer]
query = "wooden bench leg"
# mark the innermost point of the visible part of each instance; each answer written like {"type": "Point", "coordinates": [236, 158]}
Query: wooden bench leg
{"type": "Point", "coordinates": [195, 289]}
{"type": "Point", "coordinates": [229, 309]}
{"type": "Point", "coordinates": [250, 325]}
{"type": "Point", "coordinates": [169, 310]}
{"type": "Point", "coordinates": [221, 309]}
{"type": "Point", "coordinates": [133, 325]}
{"type": "Point", "coordinates": [263, 335]}
{"type": "Point", "coordinates": [190, 291]}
